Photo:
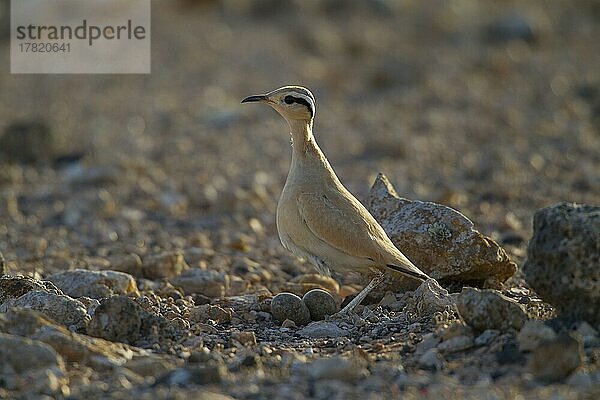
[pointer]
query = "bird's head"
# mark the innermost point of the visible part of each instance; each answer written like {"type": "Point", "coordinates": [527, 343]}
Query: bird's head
{"type": "Point", "coordinates": [293, 103]}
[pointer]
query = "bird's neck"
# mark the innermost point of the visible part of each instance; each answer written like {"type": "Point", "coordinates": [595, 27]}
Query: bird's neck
{"type": "Point", "coordinates": [303, 141]}
{"type": "Point", "coordinates": [306, 153]}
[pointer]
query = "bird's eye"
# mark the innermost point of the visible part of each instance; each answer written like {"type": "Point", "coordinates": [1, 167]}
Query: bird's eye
{"type": "Point", "coordinates": [288, 99]}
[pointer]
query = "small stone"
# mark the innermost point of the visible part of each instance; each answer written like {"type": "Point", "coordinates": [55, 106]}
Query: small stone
{"type": "Point", "coordinates": [200, 281]}
{"type": "Point", "coordinates": [580, 379]}
{"type": "Point", "coordinates": [432, 360]}
{"type": "Point", "coordinates": [289, 306]}
{"type": "Point", "coordinates": [246, 338]}
{"type": "Point", "coordinates": [288, 323]}
{"type": "Point", "coordinates": [322, 329]}
{"type": "Point", "coordinates": [430, 340]}
{"type": "Point", "coordinates": [196, 375]}
{"type": "Point", "coordinates": [487, 337]}
{"type": "Point", "coordinates": [207, 312]}
{"type": "Point", "coordinates": [588, 334]}
{"type": "Point", "coordinates": [151, 365]}
{"type": "Point", "coordinates": [129, 263]}
{"type": "Point", "coordinates": [456, 344]}
{"type": "Point", "coordinates": [428, 299]}
{"type": "Point", "coordinates": [164, 265]}
{"type": "Point", "coordinates": [117, 319]}
{"type": "Point", "coordinates": [94, 284]}
{"type": "Point", "coordinates": [556, 359]}
{"type": "Point", "coordinates": [337, 368]}
{"type": "Point", "coordinates": [13, 287]}
{"type": "Point", "coordinates": [320, 304]}
{"type": "Point", "coordinates": [438, 239]}
{"type": "Point", "coordinates": [563, 257]}
{"type": "Point", "coordinates": [489, 309]}
{"type": "Point", "coordinates": [533, 333]}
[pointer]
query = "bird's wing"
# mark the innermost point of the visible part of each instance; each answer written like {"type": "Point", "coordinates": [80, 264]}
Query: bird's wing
{"type": "Point", "coordinates": [345, 224]}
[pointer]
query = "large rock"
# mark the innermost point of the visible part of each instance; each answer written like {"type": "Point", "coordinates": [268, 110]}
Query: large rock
{"type": "Point", "coordinates": [438, 239]}
{"type": "Point", "coordinates": [96, 353]}
{"type": "Point", "coordinates": [554, 360]}
{"type": "Point", "coordinates": [30, 368]}
{"type": "Point", "coordinates": [94, 284]}
{"type": "Point", "coordinates": [489, 309]}
{"type": "Point", "coordinates": [563, 259]}
{"type": "Point", "coordinates": [62, 309]}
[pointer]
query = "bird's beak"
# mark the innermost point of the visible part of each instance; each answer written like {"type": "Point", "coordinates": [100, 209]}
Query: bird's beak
{"type": "Point", "coordinates": [256, 98]}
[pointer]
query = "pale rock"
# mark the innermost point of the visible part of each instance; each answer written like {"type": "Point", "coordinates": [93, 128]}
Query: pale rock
{"type": "Point", "coordinates": [200, 281]}
{"type": "Point", "coordinates": [323, 329]}
{"type": "Point", "coordinates": [556, 359]}
{"type": "Point", "coordinates": [489, 309]}
{"type": "Point", "coordinates": [439, 240]}
{"type": "Point", "coordinates": [428, 299]}
{"type": "Point", "coordinates": [533, 333]}
{"type": "Point", "coordinates": [94, 284]}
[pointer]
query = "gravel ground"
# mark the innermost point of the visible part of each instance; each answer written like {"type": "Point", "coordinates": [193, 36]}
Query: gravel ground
{"type": "Point", "coordinates": [492, 109]}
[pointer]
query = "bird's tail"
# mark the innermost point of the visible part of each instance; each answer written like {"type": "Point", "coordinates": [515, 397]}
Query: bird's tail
{"type": "Point", "coordinates": [413, 272]}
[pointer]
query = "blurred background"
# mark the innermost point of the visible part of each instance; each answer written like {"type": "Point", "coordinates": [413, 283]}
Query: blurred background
{"type": "Point", "coordinates": [490, 107]}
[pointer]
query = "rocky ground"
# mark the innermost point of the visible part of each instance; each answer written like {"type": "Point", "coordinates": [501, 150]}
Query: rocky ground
{"type": "Point", "coordinates": [137, 212]}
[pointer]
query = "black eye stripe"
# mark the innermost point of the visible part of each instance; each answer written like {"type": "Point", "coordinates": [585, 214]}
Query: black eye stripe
{"type": "Point", "coordinates": [291, 99]}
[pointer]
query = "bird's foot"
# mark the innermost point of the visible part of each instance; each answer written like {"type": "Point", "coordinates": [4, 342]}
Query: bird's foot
{"type": "Point", "coordinates": [361, 296]}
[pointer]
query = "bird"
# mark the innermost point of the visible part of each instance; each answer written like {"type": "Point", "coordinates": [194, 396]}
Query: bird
{"type": "Point", "coordinates": [318, 219]}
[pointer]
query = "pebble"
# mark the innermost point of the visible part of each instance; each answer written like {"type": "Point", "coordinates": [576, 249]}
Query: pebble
{"type": "Point", "coordinates": [336, 368]}
{"type": "Point", "coordinates": [556, 359]}
{"type": "Point", "coordinates": [432, 360]}
{"type": "Point", "coordinates": [456, 344]}
{"type": "Point", "coordinates": [207, 312]}
{"type": "Point", "coordinates": [323, 329]}
{"type": "Point", "coordinates": [533, 333]}
{"type": "Point", "coordinates": [245, 338]}
{"type": "Point", "coordinates": [289, 306]}
{"type": "Point", "coordinates": [117, 319]}
{"type": "Point", "coordinates": [164, 265]}
{"type": "Point", "coordinates": [428, 299]}
{"type": "Point", "coordinates": [320, 304]}
{"type": "Point", "coordinates": [487, 337]}
{"type": "Point", "coordinates": [563, 257]}
{"type": "Point", "coordinates": [489, 309]}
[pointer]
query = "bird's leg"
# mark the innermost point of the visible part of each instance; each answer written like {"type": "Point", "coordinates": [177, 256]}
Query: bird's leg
{"type": "Point", "coordinates": [361, 296]}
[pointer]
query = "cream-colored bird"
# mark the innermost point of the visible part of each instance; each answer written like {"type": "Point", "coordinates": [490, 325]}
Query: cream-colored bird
{"type": "Point", "coordinates": [318, 219]}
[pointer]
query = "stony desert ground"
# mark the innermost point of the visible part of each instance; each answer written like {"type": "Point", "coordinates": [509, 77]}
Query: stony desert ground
{"type": "Point", "coordinates": [137, 212]}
